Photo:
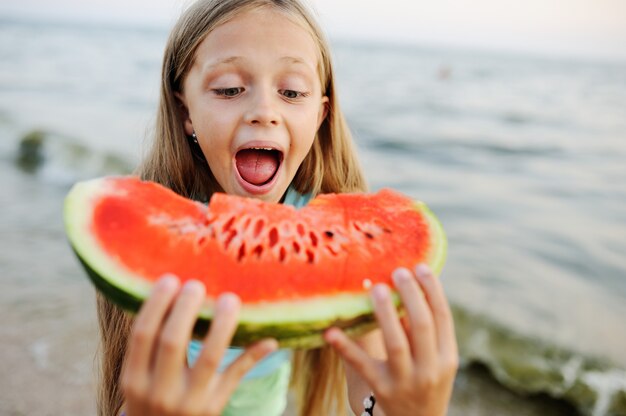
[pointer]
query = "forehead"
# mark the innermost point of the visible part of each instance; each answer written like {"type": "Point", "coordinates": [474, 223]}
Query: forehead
{"type": "Point", "coordinates": [265, 33]}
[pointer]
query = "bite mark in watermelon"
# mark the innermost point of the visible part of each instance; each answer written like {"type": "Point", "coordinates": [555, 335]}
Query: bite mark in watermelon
{"type": "Point", "coordinates": [297, 271]}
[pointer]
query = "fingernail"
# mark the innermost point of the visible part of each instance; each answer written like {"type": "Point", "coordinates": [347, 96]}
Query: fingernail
{"type": "Point", "coordinates": [422, 270]}
{"type": "Point", "coordinates": [331, 335]}
{"type": "Point", "coordinates": [270, 345]}
{"type": "Point", "coordinates": [228, 302]}
{"type": "Point", "coordinates": [265, 347]}
{"type": "Point", "coordinates": [380, 293]}
{"type": "Point", "coordinates": [168, 281]}
{"type": "Point", "coordinates": [193, 286]}
{"type": "Point", "coordinates": [401, 276]}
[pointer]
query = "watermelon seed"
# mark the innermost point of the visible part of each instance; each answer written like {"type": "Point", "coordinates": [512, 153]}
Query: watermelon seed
{"type": "Point", "coordinates": [258, 250]}
{"type": "Point", "coordinates": [332, 251]}
{"type": "Point", "coordinates": [310, 256]}
{"type": "Point", "coordinates": [296, 247]}
{"type": "Point", "coordinates": [283, 254]}
{"type": "Point", "coordinates": [242, 252]}
{"type": "Point", "coordinates": [201, 240]}
{"type": "Point", "coordinates": [380, 225]}
{"type": "Point", "coordinates": [258, 227]}
{"type": "Point", "coordinates": [329, 234]}
{"type": "Point", "coordinates": [228, 224]}
{"type": "Point", "coordinates": [229, 238]}
{"type": "Point", "coordinates": [301, 230]}
{"type": "Point", "coordinates": [362, 228]}
{"type": "Point", "coordinates": [313, 239]}
{"type": "Point", "coordinates": [273, 237]}
{"type": "Point", "coordinates": [246, 224]}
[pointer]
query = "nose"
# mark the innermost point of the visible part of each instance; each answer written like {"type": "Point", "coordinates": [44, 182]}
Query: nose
{"type": "Point", "coordinates": [262, 110]}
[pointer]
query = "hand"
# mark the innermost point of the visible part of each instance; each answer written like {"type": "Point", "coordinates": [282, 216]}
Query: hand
{"type": "Point", "coordinates": [422, 357]}
{"type": "Point", "coordinates": [155, 378]}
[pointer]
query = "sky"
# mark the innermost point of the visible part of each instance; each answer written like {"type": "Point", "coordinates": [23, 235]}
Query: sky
{"type": "Point", "coordinates": [579, 28]}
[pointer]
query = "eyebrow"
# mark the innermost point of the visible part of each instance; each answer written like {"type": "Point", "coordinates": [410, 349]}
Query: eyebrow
{"type": "Point", "coordinates": [225, 61]}
{"type": "Point", "coordinates": [295, 60]}
{"type": "Point", "coordinates": [234, 59]}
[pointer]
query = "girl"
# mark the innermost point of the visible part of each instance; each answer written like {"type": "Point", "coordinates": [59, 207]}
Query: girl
{"type": "Point", "coordinates": [248, 106]}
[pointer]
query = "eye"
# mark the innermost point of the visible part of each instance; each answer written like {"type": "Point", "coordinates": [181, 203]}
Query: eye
{"type": "Point", "coordinates": [292, 94]}
{"type": "Point", "coordinates": [228, 92]}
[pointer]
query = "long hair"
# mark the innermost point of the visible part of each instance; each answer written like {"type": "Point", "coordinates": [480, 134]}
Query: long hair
{"type": "Point", "coordinates": [177, 163]}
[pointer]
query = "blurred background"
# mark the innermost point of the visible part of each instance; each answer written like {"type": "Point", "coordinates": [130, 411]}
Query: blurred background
{"type": "Point", "coordinates": [507, 118]}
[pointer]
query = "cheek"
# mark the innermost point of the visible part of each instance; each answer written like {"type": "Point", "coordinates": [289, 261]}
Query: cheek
{"type": "Point", "coordinates": [302, 148]}
{"type": "Point", "coordinates": [216, 148]}
{"type": "Point", "coordinates": [216, 153]}
{"type": "Point", "coordinates": [307, 125]}
{"type": "Point", "coordinates": [215, 133]}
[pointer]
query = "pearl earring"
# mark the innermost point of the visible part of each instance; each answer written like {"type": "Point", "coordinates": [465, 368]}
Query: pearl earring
{"type": "Point", "coordinates": [194, 137]}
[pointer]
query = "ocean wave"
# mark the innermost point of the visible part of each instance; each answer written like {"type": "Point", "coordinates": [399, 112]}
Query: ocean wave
{"type": "Point", "coordinates": [64, 160]}
{"type": "Point", "coordinates": [531, 366]}
{"type": "Point", "coordinates": [499, 149]}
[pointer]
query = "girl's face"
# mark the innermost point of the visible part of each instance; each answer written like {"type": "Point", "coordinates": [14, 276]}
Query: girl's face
{"type": "Point", "coordinates": [253, 97]}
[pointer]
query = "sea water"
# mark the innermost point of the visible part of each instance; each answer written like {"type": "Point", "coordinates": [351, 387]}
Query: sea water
{"type": "Point", "coordinates": [522, 158]}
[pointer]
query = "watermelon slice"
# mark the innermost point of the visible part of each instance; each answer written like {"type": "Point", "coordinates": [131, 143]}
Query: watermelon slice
{"type": "Point", "coordinates": [297, 271]}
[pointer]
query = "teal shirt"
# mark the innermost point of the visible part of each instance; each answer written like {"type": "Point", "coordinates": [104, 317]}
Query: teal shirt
{"type": "Point", "coordinates": [263, 390]}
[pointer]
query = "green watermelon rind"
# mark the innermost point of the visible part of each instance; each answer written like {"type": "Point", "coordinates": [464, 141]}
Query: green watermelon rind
{"type": "Point", "coordinates": [295, 324]}
{"type": "Point", "coordinates": [436, 259]}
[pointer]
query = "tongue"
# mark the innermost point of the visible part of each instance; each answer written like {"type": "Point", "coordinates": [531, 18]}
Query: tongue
{"type": "Point", "coordinates": [257, 166]}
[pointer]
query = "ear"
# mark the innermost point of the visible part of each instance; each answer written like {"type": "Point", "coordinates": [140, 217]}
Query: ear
{"type": "Point", "coordinates": [183, 112]}
{"type": "Point", "coordinates": [323, 111]}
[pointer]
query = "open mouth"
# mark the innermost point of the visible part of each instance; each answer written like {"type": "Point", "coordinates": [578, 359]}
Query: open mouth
{"type": "Point", "coordinates": [257, 166]}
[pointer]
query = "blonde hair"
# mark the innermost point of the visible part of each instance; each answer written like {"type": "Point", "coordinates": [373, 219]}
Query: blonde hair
{"type": "Point", "coordinates": [330, 166]}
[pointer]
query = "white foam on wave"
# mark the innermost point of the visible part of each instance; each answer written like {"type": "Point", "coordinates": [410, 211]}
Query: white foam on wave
{"type": "Point", "coordinates": [606, 384]}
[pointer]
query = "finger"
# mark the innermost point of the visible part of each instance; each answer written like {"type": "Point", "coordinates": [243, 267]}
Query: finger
{"type": "Point", "coordinates": [175, 336]}
{"type": "Point", "coordinates": [421, 326]}
{"type": "Point", "coordinates": [217, 340]}
{"type": "Point", "coordinates": [251, 356]}
{"type": "Point", "coordinates": [354, 355]}
{"type": "Point", "coordinates": [442, 316]}
{"type": "Point", "coordinates": [396, 343]}
{"type": "Point", "coordinates": [145, 329]}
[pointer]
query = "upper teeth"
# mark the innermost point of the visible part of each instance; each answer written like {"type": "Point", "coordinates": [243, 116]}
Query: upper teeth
{"type": "Point", "coordinates": [262, 148]}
